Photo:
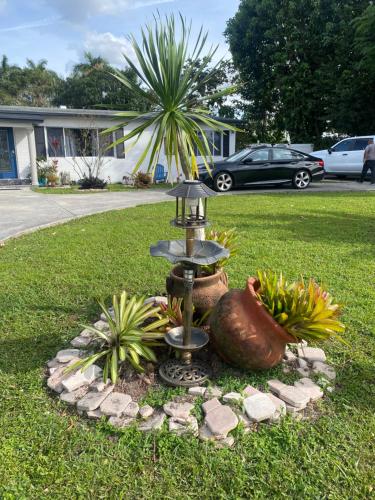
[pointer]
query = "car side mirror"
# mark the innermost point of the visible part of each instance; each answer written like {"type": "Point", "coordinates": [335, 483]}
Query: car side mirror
{"type": "Point", "coordinates": [248, 160]}
{"type": "Point", "coordinates": [330, 150]}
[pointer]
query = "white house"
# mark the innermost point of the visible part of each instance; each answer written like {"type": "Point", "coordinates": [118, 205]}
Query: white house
{"type": "Point", "coordinates": [28, 133]}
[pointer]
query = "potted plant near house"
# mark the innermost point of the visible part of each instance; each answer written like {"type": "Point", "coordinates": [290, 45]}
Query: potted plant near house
{"type": "Point", "coordinates": [250, 328]}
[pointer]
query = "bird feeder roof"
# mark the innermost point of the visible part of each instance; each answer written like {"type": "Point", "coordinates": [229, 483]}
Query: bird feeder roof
{"type": "Point", "coordinates": [191, 189]}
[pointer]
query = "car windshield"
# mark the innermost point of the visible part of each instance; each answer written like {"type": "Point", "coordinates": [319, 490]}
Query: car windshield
{"type": "Point", "coordinates": [239, 155]}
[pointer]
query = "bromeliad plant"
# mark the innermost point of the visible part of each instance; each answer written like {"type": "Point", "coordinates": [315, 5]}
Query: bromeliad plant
{"type": "Point", "coordinates": [134, 328]}
{"type": "Point", "coordinates": [229, 240]}
{"type": "Point", "coordinates": [306, 311]}
{"type": "Point", "coordinates": [173, 311]}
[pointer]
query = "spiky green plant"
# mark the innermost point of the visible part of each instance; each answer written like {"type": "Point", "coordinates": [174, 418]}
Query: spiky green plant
{"type": "Point", "coordinates": [170, 79]}
{"type": "Point", "coordinates": [229, 240]}
{"type": "Point", "coordinates": [128, 337]}
{"type": "Point", "coordinates": [173, 311]}
{"type": "Point", "coordinates": [305, 311]}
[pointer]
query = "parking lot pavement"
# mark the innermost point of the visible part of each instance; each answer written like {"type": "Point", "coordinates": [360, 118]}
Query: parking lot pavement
{"type": "Point", "coordinates": [24, 210]}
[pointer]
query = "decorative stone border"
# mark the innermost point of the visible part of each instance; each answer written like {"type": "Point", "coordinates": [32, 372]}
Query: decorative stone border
{"type": "Point", "coordinates": [95, 398]}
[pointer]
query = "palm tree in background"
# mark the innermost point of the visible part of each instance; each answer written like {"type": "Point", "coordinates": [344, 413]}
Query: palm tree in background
{"type": "Point", "coordinates": [171, 79]}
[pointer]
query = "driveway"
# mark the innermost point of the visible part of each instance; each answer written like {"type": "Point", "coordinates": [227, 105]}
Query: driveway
{"type": "Point", "coordinates": [24, 210]}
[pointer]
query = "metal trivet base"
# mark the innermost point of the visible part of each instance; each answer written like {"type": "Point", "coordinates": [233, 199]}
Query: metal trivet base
{"type": "Point", "coordinates": [175, 372]}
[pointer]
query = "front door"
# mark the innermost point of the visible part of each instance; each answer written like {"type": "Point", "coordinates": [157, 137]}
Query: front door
{"type": "Point", "coordinates": [8, 167]}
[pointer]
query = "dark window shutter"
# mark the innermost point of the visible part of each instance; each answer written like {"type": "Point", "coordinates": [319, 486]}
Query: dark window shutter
{"type": "Point", "coordinates": [120, 148]}
{"type": "Point", "coordinates": [40, 143]}
{"type": "Point", "coordinates": [226, 143]}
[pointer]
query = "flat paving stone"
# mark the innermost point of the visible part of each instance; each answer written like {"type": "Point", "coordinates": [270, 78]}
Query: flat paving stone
{"type": "Point", "coordinates": [53, 363]}
{"type": "Point", "coordinates": [294, 396]}
{"type": "Point", "coordinates": [101, 325]}
{"type": "Point", "coordinates": [158, 299]}
{"type": "Point", "coordinates": [227, 442]}
{"type": "Point", "coordinates": [232, 397]}
{"type": "Point", "coordinates": [79, 378]}
{"type": "Point", "coordinates": [221, 421]}
{"type": "Point", "coordinates": [185, 426]}
{"type": "Point", "coordinates": [72, 397]}
{"type": "Point", "coordinates": [210, 405]}
{"type": "Point", "coordinates": [146, 411]}
{"type": "Point", "coordinates": [323, 369]}
{"type": "Point", "coordinates": [311, 354]}
{"type": "Point", "coordinates": [205, 434]}
{"type": "Point", "coordinates": [259, 407]}
{"type": "Point", "coordinates": [153, 423]}
{"type": "Point", "coordinates": [289, 356]}
{"type": "Point", "coordinates": [99, 385]}
{"type": "Point", "coordinates": [197, 391]}
{"type": "Point", "coordinates": [131, 410]}
{"type": "Point", "coordinates": [179, 410]}
{"type": "Point", "coordinates": [92, 400]}
{"type": "Point", "coordinates": [95, 414]}
{"type": "Point", "coordinates": [81, 341]}
{"type": "Point", "coordinates": [250, 391]}
{"type": "Point", "coordinates": [313, 391]}
{"type": "Point", "coordinates": [67, 355]}
{"type": "Point", "coordinates": [87, 333]}
{"type": "Point", "coordinates": [275, 386]}
{"type": "Point", "coordinates": [303, 372]}
{"type": "Point", "coordinates": [54, 382]}
{"type": "Point", "coordinates": [115, 404]}
{"type": "Point", "coordinates": [279, 403]}
{"type": "Point", "coordinates": [121, 422]}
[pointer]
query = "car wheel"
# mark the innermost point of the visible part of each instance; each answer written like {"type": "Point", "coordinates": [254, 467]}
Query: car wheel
{"type": "Point", "coordinates": [223, 182]}
{"type": "Point", "coordinates": [301, 179]}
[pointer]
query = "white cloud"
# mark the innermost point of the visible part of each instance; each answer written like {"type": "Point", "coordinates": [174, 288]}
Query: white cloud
{"type": "Point", "coordinates": [109, 46]}
{"type": "Point", "coordinates": [79, 10]}
{"type": "Point", "coordinates": [34, 24]}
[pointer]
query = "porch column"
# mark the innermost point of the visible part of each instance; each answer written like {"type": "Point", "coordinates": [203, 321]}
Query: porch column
{"type": "Point", "coordinates": [32, 154]}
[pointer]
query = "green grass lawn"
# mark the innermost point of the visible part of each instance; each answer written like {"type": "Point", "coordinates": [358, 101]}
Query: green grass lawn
{"type": "Point", "coordinates": [48, 283]}
{"type": "Point", "coordinates": [110, 187]}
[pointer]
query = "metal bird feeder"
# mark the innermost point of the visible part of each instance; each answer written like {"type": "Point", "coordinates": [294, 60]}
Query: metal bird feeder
{"type": "Point", "coordinates": [191, 214]}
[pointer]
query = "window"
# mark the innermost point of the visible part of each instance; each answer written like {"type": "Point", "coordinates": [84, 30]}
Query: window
{"type": "Point", "coordinates": [120, 148]}
{"type": "Point", "coordinates": [226, 143]}
{"type": "Point", "coordinates": [80, 142]}
{"type": "Point", "coordinates": [286, 154]}
{"type": "Point", "coordinates": [259, 155]}
{"type": "Point", "coordinates": [55, 139]}
{"type": "Point", "coordinates": [240, 155]}
{"type": "Point", "coordinates": [346, 145]}
{"type": "Point", "coordinates": [104, 141]}
{"type": "Point", "coordinates": [40, 142]}
{"type": "Point", "coordinates": [214, 142]}
{"type": "Point", "coordinates": [360, 144]}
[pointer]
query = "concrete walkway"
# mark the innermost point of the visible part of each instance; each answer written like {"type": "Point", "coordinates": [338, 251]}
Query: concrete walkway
{"type": "Point", "coordinates": [23, 210]}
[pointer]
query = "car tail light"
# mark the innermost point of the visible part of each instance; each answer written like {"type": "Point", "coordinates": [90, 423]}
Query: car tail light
{"type": "Point", "coordinates": [321, 163]}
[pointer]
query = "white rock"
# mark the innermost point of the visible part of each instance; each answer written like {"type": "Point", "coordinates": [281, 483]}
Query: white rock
{"type": "Point", "coordinates": [92, 400]}
{"type": "Point", "coordinates": [210, 405]}
{"type": "Point", "coordinates": [80, 341]}
{"type": "Point", "coordinates": [197, 391]}
{"type": "Point", "coordinates": [311, 354]}
{"type": "Point", "coordinates": [95, 414]}
{"type": "Point", "coordinates": [159, 299]}
{"type": "Point", "coordinates": [79, 378]}
{"type": "Point", "coordinates": [232, 397]}
{"type": "Point", "coordinates": [178, 410]}
{"type": "Point", "coordinates": [302, 363]}
{"type": "Point", "coordinates": [250, 391]}
{"type": "Point", "coordinates": [115, 404]}
{"type": "Point", "coordinates": [72, 397]}
{"type": "Point", "coordinates": [221, 421]}
{"type": "Point", "coordinates": [131, 410]}
{"type": "Point", "coordinates": [99, 385]}
{"type": "Point", "coordinates": [54, 382]}
{"type": "Point", "coordinates": [324, 369]}
{"type": "Point", "coordinates": [146, 411]}
{"type": "Point", "coordinates": [259, 407]}
{"type": "Point", "coordinates": [205, 434]}
{"type": "Point", "coordinates": [183, 426]}
{"type": "Point", "coordinates": [275, 386]}
{"type": "Point", "coordinates": [53, 363]}
{"type": "Point", "coordinates": [52, 370]}
{"type": "Point", "coordinates": [103, 317]}
{"type": "Point", "coordinates": [294, 396]}
{"type": "Point", "coordinates": [303, 372]}
{"type": "Point", "coordinates": [87, 333]}
{"type": "Point", "coordinates": [289, 356]}
{"type": "Point", "coordinates": [67, 355]}
{"type": "Point", "coordinates": [153, 423]}
{"type": "Point", "coordinates": [101, 325]}
{"type": "Point", "coordinates": [313, 391]}
{"type": "Point", "coordinates": [279, 403]}
{"type": "Point", "coordinates": [227, 442]}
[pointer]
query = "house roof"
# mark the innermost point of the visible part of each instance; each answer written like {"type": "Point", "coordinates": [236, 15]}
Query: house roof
{"type": "Point", "coordinates": [36, 115]}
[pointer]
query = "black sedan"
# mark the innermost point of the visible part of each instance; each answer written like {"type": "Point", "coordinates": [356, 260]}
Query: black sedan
{"type": "Point", "coordinates": [264, 165]}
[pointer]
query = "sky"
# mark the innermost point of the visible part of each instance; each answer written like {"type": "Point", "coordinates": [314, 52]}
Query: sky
{"type": "Point", "coordinates": [62, 30]}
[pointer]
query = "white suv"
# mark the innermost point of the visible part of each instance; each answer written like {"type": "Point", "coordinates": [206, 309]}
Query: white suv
{"type": "Point", "coordinates": [345, 157]}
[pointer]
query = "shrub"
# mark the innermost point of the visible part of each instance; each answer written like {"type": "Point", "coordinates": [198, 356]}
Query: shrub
{"type": "Point", "coordinates": [305, 311]}
{"type": "Point", "coordinates": [142, 180]}
{"type": "Point", "coordinates": [92, 183]}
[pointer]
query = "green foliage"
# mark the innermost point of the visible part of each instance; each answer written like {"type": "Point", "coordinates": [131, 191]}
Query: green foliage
{"type": "Point", "coordinates": [305, 311]}
{"type": "Point", "coordinates": [174, 312]}
{"type": "Point", "coordinates": [128, 338]}
{"type": "Point", "coordinates": [298, 64]}
{"type": "Point", "coordinates": [229, 240]}
{"type": "Point", "coordinates": [172, 81]}
{"type": "Point", "coordinates": [142, 180]}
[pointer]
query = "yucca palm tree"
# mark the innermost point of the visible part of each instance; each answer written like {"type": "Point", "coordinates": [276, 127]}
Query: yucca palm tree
{"type": "Point", "coordinates": [170, 78]}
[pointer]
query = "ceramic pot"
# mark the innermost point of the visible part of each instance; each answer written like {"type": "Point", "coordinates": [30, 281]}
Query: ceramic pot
{"type": "Point", "coordinates": [243, 332]}
{"type": "Point", "coordinates": [207, 290]}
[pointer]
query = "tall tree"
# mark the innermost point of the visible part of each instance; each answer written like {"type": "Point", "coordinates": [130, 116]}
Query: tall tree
{"type": "Point", "coordinates": [291, 56]}
{"type": "Point", "coordinates": [91, 85]}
